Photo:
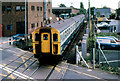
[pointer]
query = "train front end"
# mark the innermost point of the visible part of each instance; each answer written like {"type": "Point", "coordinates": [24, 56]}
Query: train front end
{"type": "Point", "coordinates": [46, 42]}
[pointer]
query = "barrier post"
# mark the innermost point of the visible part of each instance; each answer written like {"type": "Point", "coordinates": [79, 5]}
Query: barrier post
{"type": "Point", "coordinates": [76, 54]}
{"type": "Point", "coordinates": [10, 41]}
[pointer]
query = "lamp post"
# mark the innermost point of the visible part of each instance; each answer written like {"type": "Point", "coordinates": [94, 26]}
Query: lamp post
{"type": "Point", "coordinates": [25, 23]}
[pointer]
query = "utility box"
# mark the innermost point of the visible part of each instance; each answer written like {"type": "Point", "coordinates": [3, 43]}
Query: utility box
{"type": "Point", "coordinates": [84, 48]}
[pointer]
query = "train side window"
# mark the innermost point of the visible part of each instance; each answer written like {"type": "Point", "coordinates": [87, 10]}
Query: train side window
{"type": "Point", "coordinates": [36, 37]}
{"type": "Point", "coordinates": [45, 37]}
{"type": "Point", "coordinates": [55, 37]}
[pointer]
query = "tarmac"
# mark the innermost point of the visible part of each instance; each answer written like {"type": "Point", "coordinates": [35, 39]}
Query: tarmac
{"type": "Point", "coordinates": [71, 71]}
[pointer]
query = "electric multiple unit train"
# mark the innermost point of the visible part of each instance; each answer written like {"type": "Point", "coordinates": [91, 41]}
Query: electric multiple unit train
{"type": "Point", "coordinates": [52, 40]}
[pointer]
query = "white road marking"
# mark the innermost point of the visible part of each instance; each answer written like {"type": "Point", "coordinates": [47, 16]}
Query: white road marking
{"type": "Point", "coordinates": [89, 70]}
{"type": "Point", "coordinates": [23, 76]}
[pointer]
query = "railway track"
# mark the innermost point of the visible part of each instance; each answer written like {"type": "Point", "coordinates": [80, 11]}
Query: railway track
{"type": "Point", "coordinates": [69, 53]}
{"type": "Point", "coordinates": [33, 70]}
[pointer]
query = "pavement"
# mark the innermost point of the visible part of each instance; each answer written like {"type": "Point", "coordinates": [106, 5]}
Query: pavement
{"type": "Point", "coordinates": [64, 71]}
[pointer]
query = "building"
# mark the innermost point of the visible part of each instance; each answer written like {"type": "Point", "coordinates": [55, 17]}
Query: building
{"type": "Point", "coordinates": [65, 10]}
{"type": "Point", "coordinates": [13, 16]}
{"type": "Point", "coordinates": [102, 12]}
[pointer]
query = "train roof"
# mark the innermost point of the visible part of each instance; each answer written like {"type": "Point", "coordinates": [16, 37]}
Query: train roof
{"type": "Point", "coordinates": [63, 24]}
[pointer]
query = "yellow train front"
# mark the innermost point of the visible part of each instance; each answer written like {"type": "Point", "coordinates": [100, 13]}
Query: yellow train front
{"type": "Point", "coordinates": [46, 42]}
{"type": "Point", "coordinates": [52, 40]}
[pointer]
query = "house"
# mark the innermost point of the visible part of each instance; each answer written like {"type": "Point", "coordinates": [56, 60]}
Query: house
{"type": "Point", "coordinates": [13, 16]}
{"type": "Point", "coordinates": [65, 10]}
{"type": "Point", "coordinates": [102, 12]}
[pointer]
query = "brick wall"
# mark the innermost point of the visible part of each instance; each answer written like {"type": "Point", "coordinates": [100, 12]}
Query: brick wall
{"type": "Point", "coordinates": [11, 17]}
{"type": "Point", "coordinates": [35, 16]}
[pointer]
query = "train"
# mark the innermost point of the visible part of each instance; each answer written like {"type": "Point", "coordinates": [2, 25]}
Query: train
{"type": "Point", "coordinates": [53, 39]}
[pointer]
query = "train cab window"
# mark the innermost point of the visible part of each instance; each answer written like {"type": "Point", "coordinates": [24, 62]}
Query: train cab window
{"type": "Point", "coordinates": [45, 37]}
{"type": "Point", "coordinates": [36, 37]}
{"type": "Point", "coordinates": [55, 37]}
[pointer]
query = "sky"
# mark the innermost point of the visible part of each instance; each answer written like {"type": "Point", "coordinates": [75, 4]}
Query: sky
{"type": "Point", "coordinates": [94, 3]}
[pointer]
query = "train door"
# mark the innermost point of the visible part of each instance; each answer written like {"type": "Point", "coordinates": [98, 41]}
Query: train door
{"type": "Point", "coordinates": [45, 42]}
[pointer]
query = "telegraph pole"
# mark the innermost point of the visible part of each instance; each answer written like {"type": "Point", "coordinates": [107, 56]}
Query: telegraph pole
{"type": "Point", "coordinates": [89, 16]}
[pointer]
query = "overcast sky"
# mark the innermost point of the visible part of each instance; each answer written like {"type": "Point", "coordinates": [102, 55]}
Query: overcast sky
{"type": "Point", "coordinates": [96, 3]}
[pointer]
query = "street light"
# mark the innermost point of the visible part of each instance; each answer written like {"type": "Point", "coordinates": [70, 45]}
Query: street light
{"type": "Point", "coordinates": [25, 23]}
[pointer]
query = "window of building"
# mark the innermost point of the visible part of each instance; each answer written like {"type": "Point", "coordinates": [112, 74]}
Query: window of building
{"type": "Point", "coordinates": [9, 8]}
{"type": "Point", "coordinates": [55, 37]}
{"type": "Point", "coordinates": [40, 8]}
{"type": "Point", "coordinates": [37, 24]}
{"type": "Point", "coordinates": [3, 8]}
{"type": "Point", "coordinates": [33, 25]}
{"type": "Point", "coordinates": [23, 8]}
{"type": "Point", "coordinates": [9, 27]}
{"type": "Point", "coordinates": [17, 8]}
{"type": "Point", "coordinates": [37, 8]}
{"type": "Point", "coordinates": [41, 24]}
{"type": "Point", "coordinates": [32, 8]}
{"type": "Point", "coordinates": [49, 10]}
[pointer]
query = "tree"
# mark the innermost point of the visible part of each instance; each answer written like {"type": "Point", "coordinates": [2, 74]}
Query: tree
{"type": "Point", "coordinates": [92, 10]}
{"type": "Point", "coordinates": [62, 5]}
{"type": "Point", "coordinates": [81, 5]}
{"type": "Point", "coordinates": [82, 10]}
{"type": "Point", "coordinates": [105, 7]}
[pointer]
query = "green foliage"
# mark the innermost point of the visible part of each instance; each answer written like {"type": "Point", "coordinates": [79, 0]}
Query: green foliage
{"type": "Point", "coordinates": [92, 10]}
{"type": "Point", "coordinates": [112, 69]}
{"type": "Point", "coordinates": [73, 15]}
{"type": "Point", "coordinates": [62, 5]}
{"type": "Point", "coordinates": [108, 34]}
{"type": "Point", "coordinates": [105, 7]}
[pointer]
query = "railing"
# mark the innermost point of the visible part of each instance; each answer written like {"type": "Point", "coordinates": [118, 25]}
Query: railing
{"type": "Point", "coordinates": [79, 56]}
{"type": "Point", "coordinates": [100, 50]}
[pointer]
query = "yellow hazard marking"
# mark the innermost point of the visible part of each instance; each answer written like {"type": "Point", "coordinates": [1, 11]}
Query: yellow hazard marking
{"type": "Point", "coordinates": [11, 76]}
{"type": "Point", "coordinates": [26, 57]}
{"type": "Point", "coordinates": [24, 61]}
{"type": "Point", "coordinates": [14, 67]}
{"type": "Point", "coordinates": [16, 61]}
{"type": "Point", "coordinates": [57, 69]}
{"type": "Point", "coordinates": [3, 75]}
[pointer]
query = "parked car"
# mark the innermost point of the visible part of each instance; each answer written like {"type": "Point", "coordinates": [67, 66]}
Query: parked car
{"type": "Point", "coordinates": [108, 43]}
{"type": "Point", "coordinates": [18, 38]}
{"type": "Point", "coordinates": [113, 38]}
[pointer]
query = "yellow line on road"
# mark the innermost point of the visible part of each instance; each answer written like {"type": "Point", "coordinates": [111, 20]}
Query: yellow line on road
{"type": "Point", "coordinates": [56, 68]}
{"type": "Point", "coordinates": [16, 61]}
{"type": "Point", "coordinates": [26, 57]}
{"type": "Point", "coordinates": [3, 75]}
{"type": "Point", "coordinates": [11, 76]}
{"type": "Point", "coordinates": [24, 61]}
{"type": "Point", "coordinates": [13, 67]}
